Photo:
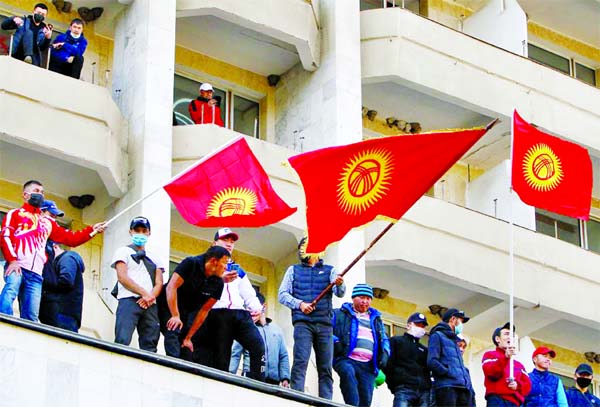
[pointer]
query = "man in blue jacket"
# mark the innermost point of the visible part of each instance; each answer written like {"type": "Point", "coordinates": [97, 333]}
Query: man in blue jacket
{"type": "Point", "coordinates": [32, 35]}
{"type": "Point", "coordinates": [444, 359]}
{"type": "Point", "coordinates": [67, 51]}
{"type": "Point", "coordinates": [547, 389]}
{"type": "Point", "coordinates": [65, 299]}
{"type": "Point", "coordinates": [579, 396]}
{"type": "Point", "coordinates": [360, 345]}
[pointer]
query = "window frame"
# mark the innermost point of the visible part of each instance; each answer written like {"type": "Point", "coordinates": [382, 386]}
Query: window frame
{"type": "Point", "coordinates": [572, 63]}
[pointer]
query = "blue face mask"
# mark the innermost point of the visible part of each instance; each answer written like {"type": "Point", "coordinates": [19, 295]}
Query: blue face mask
{"type": "Point", "coordinates": [458, 329]}
{"type": "Point", "coordinates": [139, 239]}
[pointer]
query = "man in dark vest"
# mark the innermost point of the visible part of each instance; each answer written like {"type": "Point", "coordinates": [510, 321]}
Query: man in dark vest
{"type": "Point", "coordinates": [312, 325]}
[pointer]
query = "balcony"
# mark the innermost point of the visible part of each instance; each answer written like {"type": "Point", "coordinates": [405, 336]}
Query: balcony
{"type": "Point", "coordinates": [265, 37]}
{"type": "Point", "coordinates": [401, 48]}
{"type": "Point", "coordinates": [66, 129]}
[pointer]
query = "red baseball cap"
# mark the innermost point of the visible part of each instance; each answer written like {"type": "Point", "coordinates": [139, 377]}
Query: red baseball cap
{"type": "Point", "coordinates": [542, 350]}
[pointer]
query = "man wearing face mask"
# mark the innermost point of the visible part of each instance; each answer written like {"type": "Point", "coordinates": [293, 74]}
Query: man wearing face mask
{"type": "Point", "coordinates": [444, 359]}
{"type": "Point", "coordinates": [360, 346]}
{"type": "Point", "coordinates": [579, 396]}
{"type": "Point", "coordinates": [67, 51]}
{"type": "Point", "coordinates": [32, 35]}
{"type": "Point", "coordinates": [140, 281]}
{"type": "Point", "coordinates": [407, 375]}
{"type": "Point", "coordinates": [25, 231]}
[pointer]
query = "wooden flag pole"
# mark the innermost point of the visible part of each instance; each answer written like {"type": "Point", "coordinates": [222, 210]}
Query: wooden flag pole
{"type": "Point", "coordinates": [366, 250]}
{"type": "Point", "coordinates": [347, 269]}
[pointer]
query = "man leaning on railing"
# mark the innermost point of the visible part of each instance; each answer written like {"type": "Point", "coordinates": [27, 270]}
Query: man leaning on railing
{"type": "Point", "coordinates": [32, 35]}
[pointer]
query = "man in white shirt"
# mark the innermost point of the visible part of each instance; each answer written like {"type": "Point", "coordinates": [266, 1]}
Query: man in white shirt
{"type": "Point", "coordinates": [140, 281]}
{"type": "Point", "coordinates": [231, 318]}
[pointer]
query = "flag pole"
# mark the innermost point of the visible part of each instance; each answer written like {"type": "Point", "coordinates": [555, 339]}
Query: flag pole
{"type": "Point", "coordinates": [179, 175]}
{"type": "Point", "coordinates": [511, 253]}
{"type": "Point", "coordinates": [347, 269]}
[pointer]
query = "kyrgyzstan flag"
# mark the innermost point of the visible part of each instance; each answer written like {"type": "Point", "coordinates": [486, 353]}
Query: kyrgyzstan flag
{"type": "Point", "coordinates": [227, 188]}
{"type": "Point", "coordinates": [550, 173]}
{"type": "Point", "coordinates": [351, 185]}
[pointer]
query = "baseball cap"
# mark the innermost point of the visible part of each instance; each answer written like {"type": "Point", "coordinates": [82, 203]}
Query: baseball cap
{"type": "Point", "coordinates": [139, 221]}
{"type": "Point", "coordinates": [417, 318]}
{"type": "Point", "coordinates": [223, 232]}
{"type": "Point", "coordinates": [206, 86]}
{"type": "Point", "coordinates": [453, 312]}
{"type": "Point", "coordinates": [51, 207]}
{"type": "Point", "coordinates": [362, 289]}
{"type": "Point", "coordinates": [499, 329]}
{"type": "Point", "coordinates": [543, 350]}
{"type": "Point", "coordinates": [584, 368]}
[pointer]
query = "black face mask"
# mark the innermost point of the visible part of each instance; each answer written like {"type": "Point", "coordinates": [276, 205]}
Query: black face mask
{"type": "Point", "coordinates": [35, 200]}
{"type": "Point", "coordinates": [38, 18]}
{"type": "Point", "coordinates": [583, 382]}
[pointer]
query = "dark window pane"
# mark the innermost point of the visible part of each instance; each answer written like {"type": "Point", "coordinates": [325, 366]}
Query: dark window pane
{"type": "Point", "coordinates": [245, 116]}
{"type": "Point", "coordinates": [549, 59]}
{"type": "Point", "coordinates": [567, 229]}
{"type": "Point", "coordinates": [585, 74]}
{"type": "Point", "coordinates": [545, 224]}
{"type": "Point", "coordinates": [593, 235]}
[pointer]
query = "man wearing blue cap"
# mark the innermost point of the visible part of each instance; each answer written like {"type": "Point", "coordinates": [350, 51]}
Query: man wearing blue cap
{"type": "Point", "coordinates": [48, 308]}
{"type": "Point", "coordinates": [407, 374]}
{"type": "Point", "coordinates": [579, 396]}
{"type": "Point", "coordinates": [444, 359]}
{"type": "Point", "coordinates": [360, 345]}
{"type": "Point", "coordinates": [140, 281]}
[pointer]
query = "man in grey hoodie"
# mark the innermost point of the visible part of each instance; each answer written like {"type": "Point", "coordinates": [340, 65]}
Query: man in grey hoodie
{"type": "Point", "coordinates": [277, 367]}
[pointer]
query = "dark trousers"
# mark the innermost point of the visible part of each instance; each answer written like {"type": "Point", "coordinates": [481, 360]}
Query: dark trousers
{"type": "Point", "coordinates": [405, 396]}
{"type": "Point", "coordinates": [453, 397]}
{"type": "Point", "coordinates": [131, 316]}
{"type": "Point", "coordinates": [173, 339]}
{"type": "Point", "coordinates": [357, 380]}
{"type": "Point", "coordinates": [73, 69]}
{"type": "Point", "coordinates": [25, 47]}
{"type": "Point", "coordinates": [49, 307]}
{"type": "Point", "coordinates": [320, 337]}
{"type": "Point", "coordinates": [497, 401]}
{"type": "Point", "coordinates": [212, 343]}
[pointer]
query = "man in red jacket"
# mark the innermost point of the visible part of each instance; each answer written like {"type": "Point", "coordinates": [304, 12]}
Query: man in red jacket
{"type": "Point", "coordinates": [205, 109]}
{"type": "Point", "coordinates": [500, 389]}
{"type": "Point", "coordinates": [23, 237]}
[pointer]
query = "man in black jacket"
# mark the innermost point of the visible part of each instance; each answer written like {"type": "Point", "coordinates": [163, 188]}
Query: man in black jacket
{"type": "Point", "coordinates": [407, 375]}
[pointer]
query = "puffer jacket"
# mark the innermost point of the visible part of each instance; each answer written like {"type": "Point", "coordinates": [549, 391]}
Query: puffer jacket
{"type": "Point", "coordinates": [444, 359]}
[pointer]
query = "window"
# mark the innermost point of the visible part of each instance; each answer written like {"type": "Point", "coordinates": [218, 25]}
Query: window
{"type": "Point", "coordinates": [558, 226]}
{"type": "Point", "coordinates": [4, 39]}
{"type": "Point", "coordinates": [411, 5]}
{"type": "Point", "coordinates": [185, 91]}
{"type": "Point", "coordinates": [245, 116]}
{"type": "Point", "coordinates": [549, 59]}
{"type": "Point", "coordinates": [585, 74]}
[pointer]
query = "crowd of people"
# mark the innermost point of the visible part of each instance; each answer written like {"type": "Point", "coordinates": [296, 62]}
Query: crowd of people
{"type": "Point", "coordinates": [209, 313]}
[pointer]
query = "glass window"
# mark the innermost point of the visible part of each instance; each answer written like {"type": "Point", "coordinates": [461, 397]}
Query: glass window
{"type": "Point", "coordinates": [585, 74]}
{"type": "Point", "coordinates": [412, 5]}
{"type": "Point", "coordinates": [558, 226]}
{"type": "Point", "coordinates": [549, 59]}
{"type": "Point", "coordinates": [592, 228]}
{"type": "Point", "coordinates": [185, 91]}
{"type": "Point", "coordinates": [245, 116]}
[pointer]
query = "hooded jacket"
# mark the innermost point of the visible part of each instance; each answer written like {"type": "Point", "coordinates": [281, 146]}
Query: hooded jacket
{"type": "Point", "coordinates": [407, 365]}
{"type": "Point", "coordinates": [72, 47]}
{"type": "Point", "coordinates": [68, 293]}
{"type": "Point", "coordinates": [444, 359]}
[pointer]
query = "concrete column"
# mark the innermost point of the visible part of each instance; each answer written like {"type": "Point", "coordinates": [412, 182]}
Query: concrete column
{"type": "Point", "coordinates": [323, 108]}
{"type": "Point", "coordinates": [143, 69]}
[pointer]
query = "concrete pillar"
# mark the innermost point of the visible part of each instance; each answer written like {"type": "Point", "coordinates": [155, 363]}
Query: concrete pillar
{"type": "Point", "coordinates": [143, 71]}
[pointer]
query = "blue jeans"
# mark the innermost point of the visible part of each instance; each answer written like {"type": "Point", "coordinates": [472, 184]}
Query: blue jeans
{"type": "Point", "coordinates": [131, 316]}
{"type": "Point", "coordinates": [497, 401]}
{"type": "Point", "coordinates": [67, 322]}
{"type": "Point", "coordinates": [357, 381]}
{"type": "Point", "coordinates": [28, 287]}
{"type": "Point", "coordinates": [320, 337]}
{"type": "Point", "coordinates": [410, 397]}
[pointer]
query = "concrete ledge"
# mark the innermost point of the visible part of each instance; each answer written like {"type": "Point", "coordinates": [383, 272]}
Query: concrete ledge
{"type": "Point", "coordinates": [413, 51]}
{"type": "Point", "coordinates": [291, 21]}
{"type": "Point", "coordinates": [68, 119]}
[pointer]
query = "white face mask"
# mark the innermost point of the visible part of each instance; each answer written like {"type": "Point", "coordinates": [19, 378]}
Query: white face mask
{"type": "Point", "coordinates": [75, 35]}
{"type": "Point", "coordinates": [417, 331]}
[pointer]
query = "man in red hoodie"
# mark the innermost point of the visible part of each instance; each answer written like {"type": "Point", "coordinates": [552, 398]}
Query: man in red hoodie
{"type": "Point", "coordinates": [23, 237]}
{"type": "Point", "coordinates": [500, 389]}
{"type": "Point", "coordinates": [205, 109]}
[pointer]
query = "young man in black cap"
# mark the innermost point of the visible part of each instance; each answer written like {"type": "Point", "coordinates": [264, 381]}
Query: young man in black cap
{"type": "Point", "coordinates": [407, 374]}
{"type": "Point", "coordinates": [579, 396]}
{"type": "Point", "coordinates": [444, 359]}
{"type": "Point", "coordinates": [140, 281]}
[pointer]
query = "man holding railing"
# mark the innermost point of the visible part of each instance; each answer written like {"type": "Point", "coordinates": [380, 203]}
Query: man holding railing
{"type": "Point", "coordinates": [32, 35]}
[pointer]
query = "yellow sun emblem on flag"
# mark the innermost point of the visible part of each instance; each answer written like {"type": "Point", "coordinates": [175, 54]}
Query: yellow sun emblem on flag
{"type": "Point", "coordinates": [232, 201]}
{"type": "Point", "coordinates": [364, 180]}
{"type": "Point", "coordinates": [542, 168]}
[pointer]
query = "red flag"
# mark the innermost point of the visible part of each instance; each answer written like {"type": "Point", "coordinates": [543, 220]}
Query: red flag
{"type": "Point", "coordinates": [228, 188]}
{"type": "Point", "coordinates": [349, 186]}
{"type": "Point", "coordinates": [550, 173]}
